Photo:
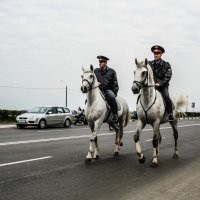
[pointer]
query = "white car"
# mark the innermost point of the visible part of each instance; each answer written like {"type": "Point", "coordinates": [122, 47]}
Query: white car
{"type": "Point", "coordinates": [45, 116]}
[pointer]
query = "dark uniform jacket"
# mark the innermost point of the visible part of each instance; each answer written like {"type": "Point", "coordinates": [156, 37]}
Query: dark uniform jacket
{"type": "Point", "coordinates": [108, 79]}
{"type": "Point", "coordinates": [162, 72]}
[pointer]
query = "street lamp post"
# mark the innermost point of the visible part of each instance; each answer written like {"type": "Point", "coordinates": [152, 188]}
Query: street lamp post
{"type": "Point", "coordinates": [66, 95]}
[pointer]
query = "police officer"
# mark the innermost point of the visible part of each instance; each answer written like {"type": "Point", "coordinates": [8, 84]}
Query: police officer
{"type": "Point", "coordinates": [162, 74]}
{"type": "Point", "coordinates": [107, 78]}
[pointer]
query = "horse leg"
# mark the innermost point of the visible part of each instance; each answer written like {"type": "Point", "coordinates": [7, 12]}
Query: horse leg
{"type": "Point", "coordinates": [116, 129]}
{"type": "Point", "coordinates": [90, 153]}
{"type": "Point", "coordinates": [156, 140]}
{"type": "Point", "coordinates": [96, 150]}
{"type": "Point", "coordinates": [118, 137]}
{"type": "Point", "coordinates": [91, 146]}
{"type": "Point", "coordinates": [175, 130]}
{"type": "Point", "coordinates": [141, 157]}
{"type": "Point", "coordinates": [93, 152]}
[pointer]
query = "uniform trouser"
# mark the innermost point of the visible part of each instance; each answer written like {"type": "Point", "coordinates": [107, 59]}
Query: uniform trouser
{"type": "Point", "coordinates": [110, 98]}
{"type": "Point", "coordinates": [165, 94]}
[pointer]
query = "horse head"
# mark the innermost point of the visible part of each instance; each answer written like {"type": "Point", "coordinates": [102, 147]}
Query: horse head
{"type": "Point", "coordinates": [88, 79]}
{"type": "Point", "coordinates": [140, 76]}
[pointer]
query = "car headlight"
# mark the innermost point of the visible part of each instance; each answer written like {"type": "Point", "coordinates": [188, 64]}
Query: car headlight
{"type": "Point", "coordinates": [33, 118]}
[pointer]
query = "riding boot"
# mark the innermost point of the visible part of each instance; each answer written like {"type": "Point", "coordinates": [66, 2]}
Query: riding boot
{"type": "Point", "coordinates": [170, 113]}
{"type": "Point", "coordinates": [110, 97]}
{"type": "Point", "coordinates": [114, 111]}
{"type": "Point", "coordinates": [165, 94]}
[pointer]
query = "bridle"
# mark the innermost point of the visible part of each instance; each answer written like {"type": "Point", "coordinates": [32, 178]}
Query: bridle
{"type": "Point", "coordinates": [90, 83]}
{"type": "Point", "coordinates": [142, 83]}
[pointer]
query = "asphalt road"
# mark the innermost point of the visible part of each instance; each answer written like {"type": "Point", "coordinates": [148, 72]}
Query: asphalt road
{"type": "Point", "coordinates": [49, 164]}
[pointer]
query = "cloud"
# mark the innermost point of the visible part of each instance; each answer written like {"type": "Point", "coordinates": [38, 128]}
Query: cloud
{"type": "Point", "coordinates": [43, 42]}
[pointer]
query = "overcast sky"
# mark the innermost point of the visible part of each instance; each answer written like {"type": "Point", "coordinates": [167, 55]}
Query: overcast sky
{"type": "Point", "coordinates": [43, 45]}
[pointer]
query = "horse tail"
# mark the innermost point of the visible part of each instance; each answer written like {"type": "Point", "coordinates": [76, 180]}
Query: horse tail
{"type": "Point", "coordinates": [182, 101]}
{"type": "Point", "coordinates": [127, 119]}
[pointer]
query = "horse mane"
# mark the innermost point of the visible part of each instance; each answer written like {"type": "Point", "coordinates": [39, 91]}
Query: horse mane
{"type": "Point", "coordinates": [150, 74]}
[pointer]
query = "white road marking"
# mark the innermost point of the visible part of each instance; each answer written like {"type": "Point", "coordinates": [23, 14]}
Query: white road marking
{"type": "Point", "coordinates": [24, 161]}
{"type": "Point", "coordinates": [149, 140]}
{"type": "Point", "coordinates": [80, 136]}
{"type": "Point", "coordinates": [44, 140]}
{"type": "Point", "coordinates": [74, 129]}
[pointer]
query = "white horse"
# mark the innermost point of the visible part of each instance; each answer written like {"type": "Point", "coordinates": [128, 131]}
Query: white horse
{"type": "Point", "coordinates": [97, 112]}
{"type": "Point", "coordinates": [151, 110]}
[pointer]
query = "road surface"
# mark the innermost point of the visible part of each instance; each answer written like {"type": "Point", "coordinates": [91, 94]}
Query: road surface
{"type": "Point", "coordinates": [49, 164]}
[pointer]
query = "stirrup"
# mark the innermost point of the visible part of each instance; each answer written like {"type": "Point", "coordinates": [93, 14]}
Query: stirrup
{"type": "Point", "coordinates": [171, 117]}
{"type": "Point", "coordinates": [114, 118]}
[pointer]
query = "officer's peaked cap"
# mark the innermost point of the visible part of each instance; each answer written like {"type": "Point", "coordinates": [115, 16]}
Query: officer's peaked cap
{"type": "Point", "coordinates": [157, 47]}
{"type": "Point", "coordinates": [102, 57]}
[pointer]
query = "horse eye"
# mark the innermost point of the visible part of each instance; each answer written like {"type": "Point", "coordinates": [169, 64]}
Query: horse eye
{"type": "Point", "coordinates": [143, 73]}
{"type": "Point", "coordinates": [91, 76]}
{"type": "Point", "coordinates": [81, 76]}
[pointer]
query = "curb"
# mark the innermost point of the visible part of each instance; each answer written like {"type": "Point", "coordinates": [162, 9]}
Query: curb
{"type": "Point", "coordinates": [7, 126]}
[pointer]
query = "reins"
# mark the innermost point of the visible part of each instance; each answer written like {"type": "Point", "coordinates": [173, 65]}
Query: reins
{"type": "Point", "coordinates": [145, 111]}
{"type": "Point", "coordinates": [144, 85]}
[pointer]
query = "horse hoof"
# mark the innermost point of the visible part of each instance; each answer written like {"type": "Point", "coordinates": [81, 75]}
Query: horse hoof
{"type": "Point", "coordinates": [142, 160]}
{"type": "Point", "coordinates": [88, 160]}
{"type": "Point", "coordinates": [116, 153]}
{"type": "Point", "coordinates": [96, 158]}
{"type": "Point", "coordinates": [154, 164]}
{"type": "Point", "coordinates": [175, 156]}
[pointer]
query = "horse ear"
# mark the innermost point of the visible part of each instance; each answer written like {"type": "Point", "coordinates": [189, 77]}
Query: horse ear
{"type": "Point", "coordinates": [136, 62]}
{"type": "Point", "coordinates": [83, 68]}
{"type": "Point", "coordinates": [146, 61]}
{"type": "Point", "coordinates": [91, 68]}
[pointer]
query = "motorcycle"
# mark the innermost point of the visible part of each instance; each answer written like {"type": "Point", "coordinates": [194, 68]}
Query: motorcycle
{"type": "Point", "coordinates": [80, 118]}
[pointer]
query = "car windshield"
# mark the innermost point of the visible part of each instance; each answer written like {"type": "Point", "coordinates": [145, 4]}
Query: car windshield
{"type": "Point", "coordinates": [38, 110]}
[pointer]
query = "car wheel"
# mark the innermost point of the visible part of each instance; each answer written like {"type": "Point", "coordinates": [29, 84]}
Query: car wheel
{"type": "Point", "coordinates": [67, 123]}
{"type": "Point", "coordinates": [42, 124]}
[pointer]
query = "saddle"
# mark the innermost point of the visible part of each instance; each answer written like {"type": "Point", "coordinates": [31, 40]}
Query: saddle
{"type": "Point", "coordinates": [119, 108]}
